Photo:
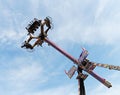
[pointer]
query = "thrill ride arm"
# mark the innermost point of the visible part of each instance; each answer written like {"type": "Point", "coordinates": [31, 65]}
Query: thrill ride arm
{"type": "Point", "coordinates": [110, 67]}
{"type": "Point", "coordinates": [86, 66]}
{"type": "Point", "coordinates": [102, 80]}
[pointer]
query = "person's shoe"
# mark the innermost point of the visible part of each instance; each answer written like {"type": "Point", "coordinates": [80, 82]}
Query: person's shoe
{"type": "Point", "coordinates": [27, 45]}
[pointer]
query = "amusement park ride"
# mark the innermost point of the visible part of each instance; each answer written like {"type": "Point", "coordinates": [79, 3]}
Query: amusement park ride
{"type": "Point", "coordinates": [82, 63]}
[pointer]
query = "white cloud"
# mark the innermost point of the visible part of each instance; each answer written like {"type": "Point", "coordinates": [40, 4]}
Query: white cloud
{"type": "Point", "coordinates": [11, 37]}
{"type": "Point", "coordinates": [75, 22]}
{"type": "Point", "coordinates": [21, 75]}
{"type": "Point", "coordinates": [103, 34]}
{"type": "Point", "coordinates": [114, 51]}
{"type": "Point", "coordinates": [101, 89]}
{"type": "Point", "coordinates": [35, 6]}
{"type": "Point", "coordinates": [105, 91]}
{"type": "Point", "coordinates": [25, 73]}
{"type": "Point", "coordinates": [12, 31]}
{"type": "Point", "coordinates": [73, 27]}
{"type": "Point", "coordinates": [101, 7]}
{"type": "Point", "coordinates": [61, 90]}
{"type": "Point", "coordinates": [102, 29]}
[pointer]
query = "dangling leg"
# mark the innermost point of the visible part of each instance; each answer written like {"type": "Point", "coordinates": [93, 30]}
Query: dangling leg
{"type": "Point", "coordinates": [27, 45]}
{"type": "Point", "coordinates": [38, 42]}
{"type": "Point", "coordinates": [46, 32]}
{"type": "Point", "coordinates": [30, 38]}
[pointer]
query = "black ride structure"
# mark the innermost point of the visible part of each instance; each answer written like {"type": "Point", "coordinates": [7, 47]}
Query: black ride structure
{"type": "Point", "coordinates": [82, 64]}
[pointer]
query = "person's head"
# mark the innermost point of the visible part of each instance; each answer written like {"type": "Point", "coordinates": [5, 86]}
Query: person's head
{"type": "Point", "coordinates": [47, 22]}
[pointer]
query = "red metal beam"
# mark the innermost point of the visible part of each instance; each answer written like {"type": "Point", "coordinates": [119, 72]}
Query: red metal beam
{"type": "Point", "coordinates": [102, 80]}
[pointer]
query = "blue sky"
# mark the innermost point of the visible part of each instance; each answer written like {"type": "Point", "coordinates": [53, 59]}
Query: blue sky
{"type": "Point", "coordinates": [93, 24]}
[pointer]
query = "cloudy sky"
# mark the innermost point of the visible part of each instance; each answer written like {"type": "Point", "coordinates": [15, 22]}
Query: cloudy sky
{"type": "Point", "coordinates": [93, 24]}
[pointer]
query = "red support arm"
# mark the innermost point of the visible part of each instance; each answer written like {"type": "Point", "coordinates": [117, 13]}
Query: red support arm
{"type": "Point", "coordinates": [61, 50]}
{"type": "Point", "coordinates": [106, 83]}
